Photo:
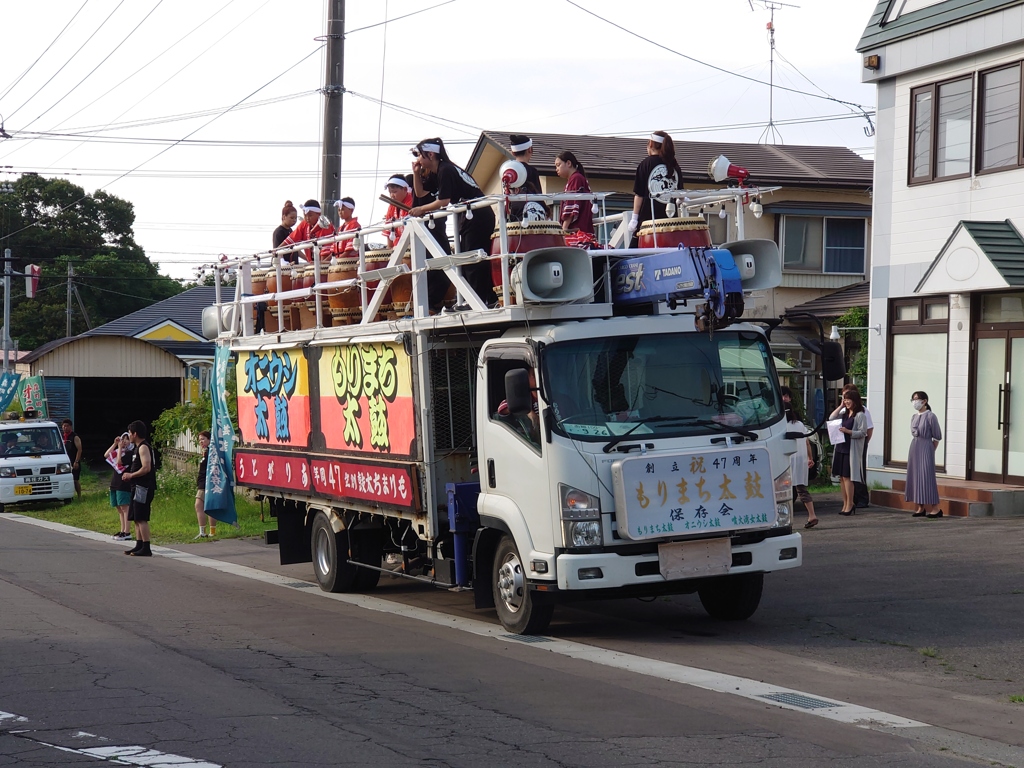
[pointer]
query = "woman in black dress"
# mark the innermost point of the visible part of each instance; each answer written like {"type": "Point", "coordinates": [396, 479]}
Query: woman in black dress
{"type": "Point", "coordinates": [289, 215]}
{"type": "Point", "coordinates": [659, 172]}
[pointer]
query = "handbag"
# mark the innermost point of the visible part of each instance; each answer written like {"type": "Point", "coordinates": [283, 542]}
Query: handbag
{"type": "Point", "coordinates": [140, 494]}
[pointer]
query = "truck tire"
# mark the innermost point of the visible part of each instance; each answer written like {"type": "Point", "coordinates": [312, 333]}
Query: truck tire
{"type": "Point", "coordinates": [368, 547]}
{"type": "Point", "coordinates": [732, 598]}
{"type": "Point", "coordinates": [518, 609]}
{"type": "Point", "coordinates": [330, 557]}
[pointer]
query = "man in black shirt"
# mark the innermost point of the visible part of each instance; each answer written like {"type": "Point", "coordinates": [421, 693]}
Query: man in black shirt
{"type": "Point", "coordinates": [456, 186]}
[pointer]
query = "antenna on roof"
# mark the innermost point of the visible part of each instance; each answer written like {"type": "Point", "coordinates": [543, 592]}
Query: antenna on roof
{"type": "Point", "coordinates": [771, 134]}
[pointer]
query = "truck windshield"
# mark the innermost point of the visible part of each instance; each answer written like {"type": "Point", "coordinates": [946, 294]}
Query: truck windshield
{"type": "Point", "coordinates": [673, 384]}
{"type": "Point", "coordinates": [31, 441]}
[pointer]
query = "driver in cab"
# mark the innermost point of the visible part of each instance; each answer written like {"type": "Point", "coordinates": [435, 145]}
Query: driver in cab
{"type": "Point", "coordinates": [527, 424]}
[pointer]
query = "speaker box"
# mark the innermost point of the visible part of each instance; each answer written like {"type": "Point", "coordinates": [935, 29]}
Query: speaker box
{"type": "Point", "coordinates": [759, 263]}
{"type": "Point", "coordinates": [217, 321]}
{"type": "Point", "coordinates": [554, 276]}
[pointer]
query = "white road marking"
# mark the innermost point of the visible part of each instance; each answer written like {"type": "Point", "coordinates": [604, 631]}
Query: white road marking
{"type": "Point", "coordinates": [718, 682]}
{"type": "Point", "coordinates": [133, 755]}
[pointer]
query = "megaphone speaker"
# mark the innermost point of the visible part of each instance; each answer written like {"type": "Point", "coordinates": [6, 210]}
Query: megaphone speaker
{"type": "Point", "coordinates": [759, 262]}
{"type": "Point", "coordinates": [554, 276]}
{"type": "Point", "coordinates": [217, 321]}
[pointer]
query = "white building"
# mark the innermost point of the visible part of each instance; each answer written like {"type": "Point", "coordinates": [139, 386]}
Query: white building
{"type": "Point", "coordinates": [947, 277]}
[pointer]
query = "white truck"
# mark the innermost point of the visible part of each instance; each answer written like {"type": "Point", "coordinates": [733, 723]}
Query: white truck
{"type": "Point", "coordinates": [34, 467]}
{"type": "Point", "coordinates": [560, 447]}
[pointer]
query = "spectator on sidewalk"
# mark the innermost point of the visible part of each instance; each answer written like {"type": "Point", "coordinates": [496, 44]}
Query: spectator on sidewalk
{"type": "Point", "coordinates": [142, 478]}
{"type": "Point", "coordinates": [73, 447]}
{"type": "Point", "coordinates": [201, 516]}
{"type": "Point", "coordinates": [800, 464]}
{"type": "Point", "coordinates": [861, 495]}
{"type": "Point", "coordinates": [922, 487]}
{"type": "Point", "coordinates": [119, 456]}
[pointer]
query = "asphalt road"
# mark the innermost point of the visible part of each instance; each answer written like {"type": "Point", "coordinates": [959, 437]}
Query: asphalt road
{"type": "Point", "coordinates": [162, 662]}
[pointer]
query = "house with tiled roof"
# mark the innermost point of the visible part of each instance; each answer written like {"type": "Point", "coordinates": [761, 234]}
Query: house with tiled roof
{"type": "Point", "coordinates": [947, 277]}
{"type": "Point", "coordinates": [134, 367]}
{"type": "Point", "coordinates": [820, 216]}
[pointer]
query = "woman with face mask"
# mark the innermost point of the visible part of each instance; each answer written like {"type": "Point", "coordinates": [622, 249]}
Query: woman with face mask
{"type": "Point", "coordinates": [922, 488]}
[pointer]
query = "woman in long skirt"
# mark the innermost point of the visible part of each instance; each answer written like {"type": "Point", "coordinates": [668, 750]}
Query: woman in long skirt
{"type": "Point", "coordinates": [922, 488]}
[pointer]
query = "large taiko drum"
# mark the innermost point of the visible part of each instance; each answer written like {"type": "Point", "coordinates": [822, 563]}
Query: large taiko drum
{"type": "Point", "coordinates": [259, 282]}
{"type": "Point", "coordinates": [344, 302]}
{"type": "Point", "coordinates": [401, 292]}
{"type": "Point", "coordinates": [524, 236]}
{"type": "Point", "coordinates": [377, 258]}
{"type": "Point", "coordinates": [690, 231]}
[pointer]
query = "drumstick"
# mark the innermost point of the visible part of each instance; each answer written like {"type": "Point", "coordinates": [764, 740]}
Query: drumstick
{"type": "Point", "coordinates": [398, 205]}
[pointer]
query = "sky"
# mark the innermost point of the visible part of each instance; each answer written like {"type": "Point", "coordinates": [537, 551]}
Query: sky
{"type": "Point", "coordinates": [207, 116]}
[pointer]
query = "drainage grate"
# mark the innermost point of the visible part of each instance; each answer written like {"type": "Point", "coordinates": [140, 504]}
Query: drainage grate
{"type": "Point", "coordinates": [299, 584]}
{"type": "Point", "coordinates": [528, 638]}
{"type": "Point", "coordinates": [797, 700]}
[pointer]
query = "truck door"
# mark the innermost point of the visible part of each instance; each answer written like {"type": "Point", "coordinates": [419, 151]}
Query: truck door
{"type": "Point", "coordinates": [513, 474]}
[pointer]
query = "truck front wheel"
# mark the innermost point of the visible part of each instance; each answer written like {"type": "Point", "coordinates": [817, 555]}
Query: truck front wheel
{"type": "Point", "coordinates": [732, 598]}
{"type": "Point", "coordinates": [330, 557]}
{"type": "Point", "coordinates": [518, 609]}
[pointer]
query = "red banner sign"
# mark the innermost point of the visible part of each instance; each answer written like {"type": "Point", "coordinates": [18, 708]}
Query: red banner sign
{"type": "Point", "coordinates": [269, 470]}
{"type": "Point", "coordinates": [384, 484]}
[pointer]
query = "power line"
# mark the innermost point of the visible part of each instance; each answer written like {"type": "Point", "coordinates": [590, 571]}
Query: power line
{"type": "Point", "coordinates": [52, 43]}
{"type": "Point", "coordinates": [162, 151]}
{"type": "Point", "coordinates": [397, 18]}
{"type": "Point", "coordinates": [706, 64]}
{"type": "Point", "coordinates": [102, 61]}
{"type": "Point", "coordinates": [444, 122]}
{"type": "Point", "coordinates": [87, 40]}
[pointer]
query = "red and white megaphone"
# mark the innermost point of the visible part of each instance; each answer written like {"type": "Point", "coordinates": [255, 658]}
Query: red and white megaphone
{"type": "Point", "coordinates": [513, 175]}
{"type": "Point", "coordinates": [721, 169]}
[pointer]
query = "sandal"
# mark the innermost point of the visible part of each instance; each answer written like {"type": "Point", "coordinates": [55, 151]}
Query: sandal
{"type": "Point", "coordinates": [811, 523]}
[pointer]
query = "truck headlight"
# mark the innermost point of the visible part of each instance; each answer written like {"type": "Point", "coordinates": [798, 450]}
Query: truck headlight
{"type": "Point", "coordinates": [581, 517]}
{"type": "Point", "coordinates": [64, 469]}
{"type": "Point", "coordinates": [6, 471]}
{"type": "Point", "coordinates": [784, 514]}
{"type": "Point", "coordinates": [784, 486]}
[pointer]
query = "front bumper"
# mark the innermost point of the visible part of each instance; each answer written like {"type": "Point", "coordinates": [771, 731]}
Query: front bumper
{"type": "Point", "coordinates": [772, 554]}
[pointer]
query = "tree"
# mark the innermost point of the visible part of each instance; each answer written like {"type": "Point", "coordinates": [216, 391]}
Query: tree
{"type": "Point", "coordinates": [55, 224]}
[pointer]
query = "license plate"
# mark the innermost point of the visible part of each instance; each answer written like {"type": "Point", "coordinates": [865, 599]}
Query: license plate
{"type": "Point", "coordinates": [23, 490]}
{"type": "Point", "coordinates": [38, 479]}
{"type": "Point", "coordinates": [688, 559]}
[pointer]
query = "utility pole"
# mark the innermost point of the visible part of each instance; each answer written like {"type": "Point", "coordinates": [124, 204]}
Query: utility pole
{"type": "Point", "coordinates": [7, 307]}
{"type": "Point", "coordinates": [71, 273]}
{"type": "Point", "coordinates": [334, 88]}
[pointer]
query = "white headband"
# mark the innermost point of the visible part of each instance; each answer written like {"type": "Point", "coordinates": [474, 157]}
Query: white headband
{"type": "Point", "coordinates": [346, 204]}
{"type": "Point", "coordinates": [311, 209]}
{"type": "Point", "coordinates": [397, 181]}
{"type": "Point", "coordinates": [657, 139]}
{"type": "Point", "coordinates": [428, 147]}
{"type": "Point", "coordinates": [522, 147]}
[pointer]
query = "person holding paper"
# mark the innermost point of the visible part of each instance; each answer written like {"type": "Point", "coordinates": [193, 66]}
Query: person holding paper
{"type": "Point", "coordinates": [848, 458]}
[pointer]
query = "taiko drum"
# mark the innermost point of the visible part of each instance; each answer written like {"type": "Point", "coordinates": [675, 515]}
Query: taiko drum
{"type": "Point", "coordinates": [522, 237]}
{"type": "Point", "coordinates": [690, 231]}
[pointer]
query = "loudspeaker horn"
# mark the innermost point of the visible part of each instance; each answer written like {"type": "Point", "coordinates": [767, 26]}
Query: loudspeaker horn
{"type": "Point", "coordinates": [759, 263]}
{"type": "Point", "coordinates": [554, 276]}
{"type": "Point", "coordinates": [216, 322]}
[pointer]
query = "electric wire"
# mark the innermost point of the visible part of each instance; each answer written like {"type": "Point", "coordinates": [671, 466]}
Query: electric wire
{"type": "Point", "coordinates": [707, 64]}
{"type": "Point", "coordinates": [103, 61]}
{"type": "Point", "coordinates": [437, 120]}
{"type": "Point", "coordinates": [397, 18]}
{"type": "Point", "coordinates": [53, 42]}
{"type": "Point", "coordinates": [316, 50]}
{"type": "Point", "coordinates": [380, 107]}
{"type": "Point", "coordinates": [78, 51]}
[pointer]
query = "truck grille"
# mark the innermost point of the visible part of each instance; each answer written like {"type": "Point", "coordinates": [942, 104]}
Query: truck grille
{"type": "Point", "coordinates": [452, 377]}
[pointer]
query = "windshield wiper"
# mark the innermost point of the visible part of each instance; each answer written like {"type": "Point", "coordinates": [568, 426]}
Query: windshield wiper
{"type": "Point", "coordinates": [649, 420]}
{"type": "Point", "coordinates": [727, 427]}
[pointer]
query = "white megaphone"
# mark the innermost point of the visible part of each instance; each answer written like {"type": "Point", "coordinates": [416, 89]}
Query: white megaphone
{"type": "Point", "coordinates": [512, 174]}
{"type": "Point", "coordinates": [554, 276]}
{"type": "Point", "coordinates": [759, 263]}
{"type": "Point", "coordinates": [217, 321]}
{"type": "Point", "coordinates": [721, 169]}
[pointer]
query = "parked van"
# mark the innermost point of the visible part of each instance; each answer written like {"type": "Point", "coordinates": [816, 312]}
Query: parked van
{"type": "Point", "coordinates": [33, 463]}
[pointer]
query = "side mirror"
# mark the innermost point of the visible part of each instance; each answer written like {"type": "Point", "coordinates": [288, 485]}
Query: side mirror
{"type": "Point", "coordinates": [833, 366]}
{"type": "Point", "coordinates": [517, 392]}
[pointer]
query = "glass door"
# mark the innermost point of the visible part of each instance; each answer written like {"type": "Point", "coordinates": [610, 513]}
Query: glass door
{"type": "Point", "coordinates": [999, 407]}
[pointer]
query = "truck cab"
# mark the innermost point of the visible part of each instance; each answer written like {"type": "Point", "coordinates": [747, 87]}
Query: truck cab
{"type": "Point", "coordinates": [34, 465]}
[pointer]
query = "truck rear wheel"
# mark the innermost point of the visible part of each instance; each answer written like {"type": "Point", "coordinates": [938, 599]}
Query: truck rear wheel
{"type": "Point", "coordinates": [518, 609]}
{"type": "Point", "coordinates": [330, 557]}
{"type": "Point", "coordinates": [732, 598]}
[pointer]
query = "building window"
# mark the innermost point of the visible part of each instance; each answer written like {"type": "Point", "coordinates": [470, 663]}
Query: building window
{"type": "Point", "coordinates": [827, 244]}
{"type": "Point", "coordinates": [940, 142]}
{"type": "Point", "coordinates": [917, 361]}
{"type": "Point", "coordinates": [999, 119]}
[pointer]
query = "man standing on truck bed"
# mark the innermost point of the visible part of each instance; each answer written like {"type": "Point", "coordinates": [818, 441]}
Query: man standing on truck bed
{"type": "Point", "coordinates": [73, 447]}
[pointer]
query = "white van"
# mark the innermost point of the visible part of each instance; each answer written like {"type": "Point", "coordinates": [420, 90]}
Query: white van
{"type": "Point", "coordinates": [33, 463]}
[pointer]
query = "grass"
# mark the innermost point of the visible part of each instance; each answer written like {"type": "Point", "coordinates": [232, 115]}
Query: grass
{"type": "Point", "coordinates": [1017, 699]}
{"type": "Point", "coordinates": [173, 518]}
{"type": "Point", "coordinates": [931, 653]}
